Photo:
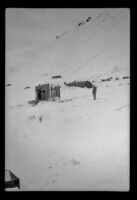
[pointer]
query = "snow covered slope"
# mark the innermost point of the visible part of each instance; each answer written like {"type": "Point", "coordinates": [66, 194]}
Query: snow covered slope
{"type": "Point", "coordinates": [97, 46]}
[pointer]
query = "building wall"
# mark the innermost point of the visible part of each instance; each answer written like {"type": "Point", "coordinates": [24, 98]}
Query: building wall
{"type": "Point", "coordinates": [55, 92]}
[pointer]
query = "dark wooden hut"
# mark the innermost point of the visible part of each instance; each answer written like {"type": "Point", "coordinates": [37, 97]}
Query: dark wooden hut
{"type": "Point", "coordinates": [47, 92]}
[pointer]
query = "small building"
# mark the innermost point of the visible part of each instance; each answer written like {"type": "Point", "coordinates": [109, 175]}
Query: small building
{"type": "Point", "coordinates": [47, 92]}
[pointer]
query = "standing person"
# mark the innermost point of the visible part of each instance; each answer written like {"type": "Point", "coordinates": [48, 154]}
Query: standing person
{"type": "Point", "coordinates": [94, 91]}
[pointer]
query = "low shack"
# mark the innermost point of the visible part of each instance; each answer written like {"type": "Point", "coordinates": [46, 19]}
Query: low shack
{"type": "Point", "coordinates": [47, 92]}
{"type": "Point", "coordinates": [81, 84]}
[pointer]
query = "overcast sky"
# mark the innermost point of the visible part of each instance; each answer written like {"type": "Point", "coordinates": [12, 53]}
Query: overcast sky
{"type": "Point", "coordinates": [29, 30]}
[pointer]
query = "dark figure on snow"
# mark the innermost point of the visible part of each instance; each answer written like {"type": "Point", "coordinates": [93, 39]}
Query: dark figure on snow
{"type": "Point", "coordinates": [94, 91]}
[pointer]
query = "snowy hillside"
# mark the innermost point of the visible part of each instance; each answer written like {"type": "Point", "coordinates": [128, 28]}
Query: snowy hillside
{"type": "Point", "coordinates": [97, 46]}
{"type": "Point", "coordinates": [75, 143]}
